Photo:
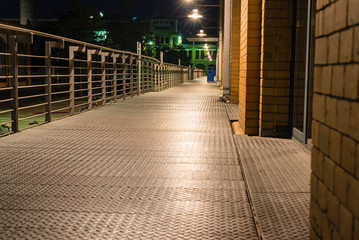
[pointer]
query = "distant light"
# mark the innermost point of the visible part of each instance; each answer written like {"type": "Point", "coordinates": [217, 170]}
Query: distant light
{"type": "Point", "coordinates": [201, 33]}
{"type": "Point", "coordinates": [91, 17]}
{"type": "Point", "coordinates": [206, 46]}
{"type": "Point", "coordinates": [195, 14]}
{"type": "Point", "coordinates": [134, 18]}
{"type": "Point", "coordinates": [179, 37]}
{"type": "Point", "coordinates": [101, 14]}
{"type": "Point", "coordinates": [150, 43]}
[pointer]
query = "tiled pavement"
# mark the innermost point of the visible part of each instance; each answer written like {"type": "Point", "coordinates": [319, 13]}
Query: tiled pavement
{"type": "Point", "coordinates": [158, 166]}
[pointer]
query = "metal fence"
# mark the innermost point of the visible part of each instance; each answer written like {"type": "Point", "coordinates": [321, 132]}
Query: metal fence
{"type": "Point", "coordinates": [44, 77]}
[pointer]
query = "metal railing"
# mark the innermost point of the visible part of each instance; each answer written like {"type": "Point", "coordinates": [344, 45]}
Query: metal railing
{"type": "Point", "coordinates": [44, 77]}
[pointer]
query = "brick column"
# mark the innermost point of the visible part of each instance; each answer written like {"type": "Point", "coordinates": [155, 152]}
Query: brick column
{"type": "Point", "coordinates": [250, 40]}
{"type": "Point", "coordinates": [276, 48]}
{"type": "Point", "coordinates": [235, 50]}
{"type": "Point", "coordinates": [334, 209]}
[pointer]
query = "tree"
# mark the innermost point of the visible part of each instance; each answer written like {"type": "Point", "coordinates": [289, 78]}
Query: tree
{"type": "Point", "coordinates": [171, 55]}
{"type": "Point", "coordinates": [79, 22]}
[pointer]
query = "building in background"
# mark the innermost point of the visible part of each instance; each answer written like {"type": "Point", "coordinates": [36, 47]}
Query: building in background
{"type": "Point", "coordinates": [165, 32]}
{"type": "Point", "coordinates": [198, 54]}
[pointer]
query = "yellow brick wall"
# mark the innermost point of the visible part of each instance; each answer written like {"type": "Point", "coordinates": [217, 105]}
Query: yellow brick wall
{"type": "Point", "coordinates": [276, 48]}
{"type": "Point", "coordinates": [334, 208]}
{"type": "Point", "coordinates": [250, 40]}
{"type": "Point", "coordinates": [235, 51]}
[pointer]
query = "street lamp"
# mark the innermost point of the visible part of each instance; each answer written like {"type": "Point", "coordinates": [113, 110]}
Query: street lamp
{"type": "Point", "coordinates": [195, 14]}
{"type": "Point", "coordinates": [201, 33]}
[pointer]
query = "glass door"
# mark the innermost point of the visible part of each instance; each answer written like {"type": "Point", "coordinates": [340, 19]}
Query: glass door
{"type": "Point", "coordinates": [303, 70]}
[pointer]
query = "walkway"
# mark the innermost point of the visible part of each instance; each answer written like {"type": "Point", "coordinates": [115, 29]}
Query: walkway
{"type": "Point", "coordinates": [158, 166]}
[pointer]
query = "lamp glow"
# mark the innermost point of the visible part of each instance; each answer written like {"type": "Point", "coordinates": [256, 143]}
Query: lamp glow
{"type": "Point", "coordinates": [195, 14]}
{"type": "Point", "coordinates": [201, 33]}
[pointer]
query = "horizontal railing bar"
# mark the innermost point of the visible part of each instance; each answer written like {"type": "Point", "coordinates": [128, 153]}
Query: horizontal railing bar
{"type": "Point", "coordinates": [80, 75]}
{"type": "Point", "coordinates": [80, 83]}
{"type": "Point", "coordinates": [79, 60]}
{"type": "Point", "coordinates": [6, 111]}
{"type": "Point", "coordinates": [98, 100]}
{"type": "Point", "coordinates": [96, 87]}
{"type": "Point", "coordinates": [33, 86]}
{"type": "Point", "coordinates": [62, 67]}
{"type": "Point", "coordinates": [79, 105]}
{"type": "Point", "coordinates": [31, 66]}
{"type": "Point", "coordinates": [32, 106]}
{"type": "Point", "coordinates": [60, 101]}
{"type": "Point", "coordinates": [33, 96]}
{"type": "Point", "coordinates": [32, 76]}
{"type": "Point", "coordinates": [34, 116]}
{"type": "Point", "coordinates": [5, 89]}
{"type": "Point", "coordinates": [30, 56]}
{"type": "Point", "coordinates": [59, 58]}
{"type": "Point", "coordinates": [60, 84]}
{"type": "Point", "coordinates": [6, 100]}
{"type": "Point", "coordinates": [60, 109]}
{"type": "Point", "coordinates": [80, 68]}
{"type": "Point", "coordinates": [6, 122]}
{"type": "Point", "coordinates": [61, 75]}
{"type": "Point", "coordinates": [76, 98]}
{"type": "Point", "coordinates": [80, 90]}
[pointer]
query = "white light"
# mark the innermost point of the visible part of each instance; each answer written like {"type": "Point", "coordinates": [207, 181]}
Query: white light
{"type": "Point", "coordinates": [201, 33]}
{"type": "Point", "coordinates": [195, 14]}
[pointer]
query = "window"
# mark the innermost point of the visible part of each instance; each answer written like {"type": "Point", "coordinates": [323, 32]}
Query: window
{"type": "Point", "coordinates": [190, 54]}
{"type": "Point", "coordinates": [197, 54]}
{"type": "Point", "coordinates": [202, 54]}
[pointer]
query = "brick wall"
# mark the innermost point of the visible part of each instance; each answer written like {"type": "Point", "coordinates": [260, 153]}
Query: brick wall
{"type": "Point", "coordinates": [276, 48]}
{"type": "Point", "coordinates": [235, 50]}
{"type": "Point", "coordinates": [334, 209]}
{"type": "Point", "coordinates": [250, 40]}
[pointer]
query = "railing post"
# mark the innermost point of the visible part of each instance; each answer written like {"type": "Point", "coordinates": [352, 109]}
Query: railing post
{"type": "Point", "coordinates": [132, 73]}
{"type": "Point", "coordinates": [103, 77]}
{"type": "Point", "coordinates": [124, 76]}
{"type": "Point", "coordinates": [14, 84]}
{"type": "Point", "coordinates": [161, 78]}
{"type": "Point", "coordinates": [156, 77]}
{"type": "Point", "coordinates": [89, 78]}
{"type": "Point", "coordinates": [72, 50]}
{"type": "Point", "coordinates": [114, 59]}
{"type": "Point", "coordinates": [139, 68]}
{"type": "Point", "coordinates": [72, 80]}
{"type": "Point", "coordinates": [48, 53]}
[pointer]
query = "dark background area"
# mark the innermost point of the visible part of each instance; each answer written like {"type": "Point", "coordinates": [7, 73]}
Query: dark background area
{"type": "Point", "coordinates": [142, 9]}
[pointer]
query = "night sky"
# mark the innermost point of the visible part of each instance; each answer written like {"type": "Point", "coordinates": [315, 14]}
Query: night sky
{"type": "Point", "coordinates": [142, 9]}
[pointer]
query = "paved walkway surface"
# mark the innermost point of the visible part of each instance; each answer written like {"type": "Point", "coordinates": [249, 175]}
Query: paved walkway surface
{"type": "Point", "coordinates": [158, 166]}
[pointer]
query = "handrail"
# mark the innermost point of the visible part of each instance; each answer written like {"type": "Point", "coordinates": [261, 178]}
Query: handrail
{"type": "Point", "coordinates": [65, 39]}
{"type": "Point", "coordinates": [81, 82]}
